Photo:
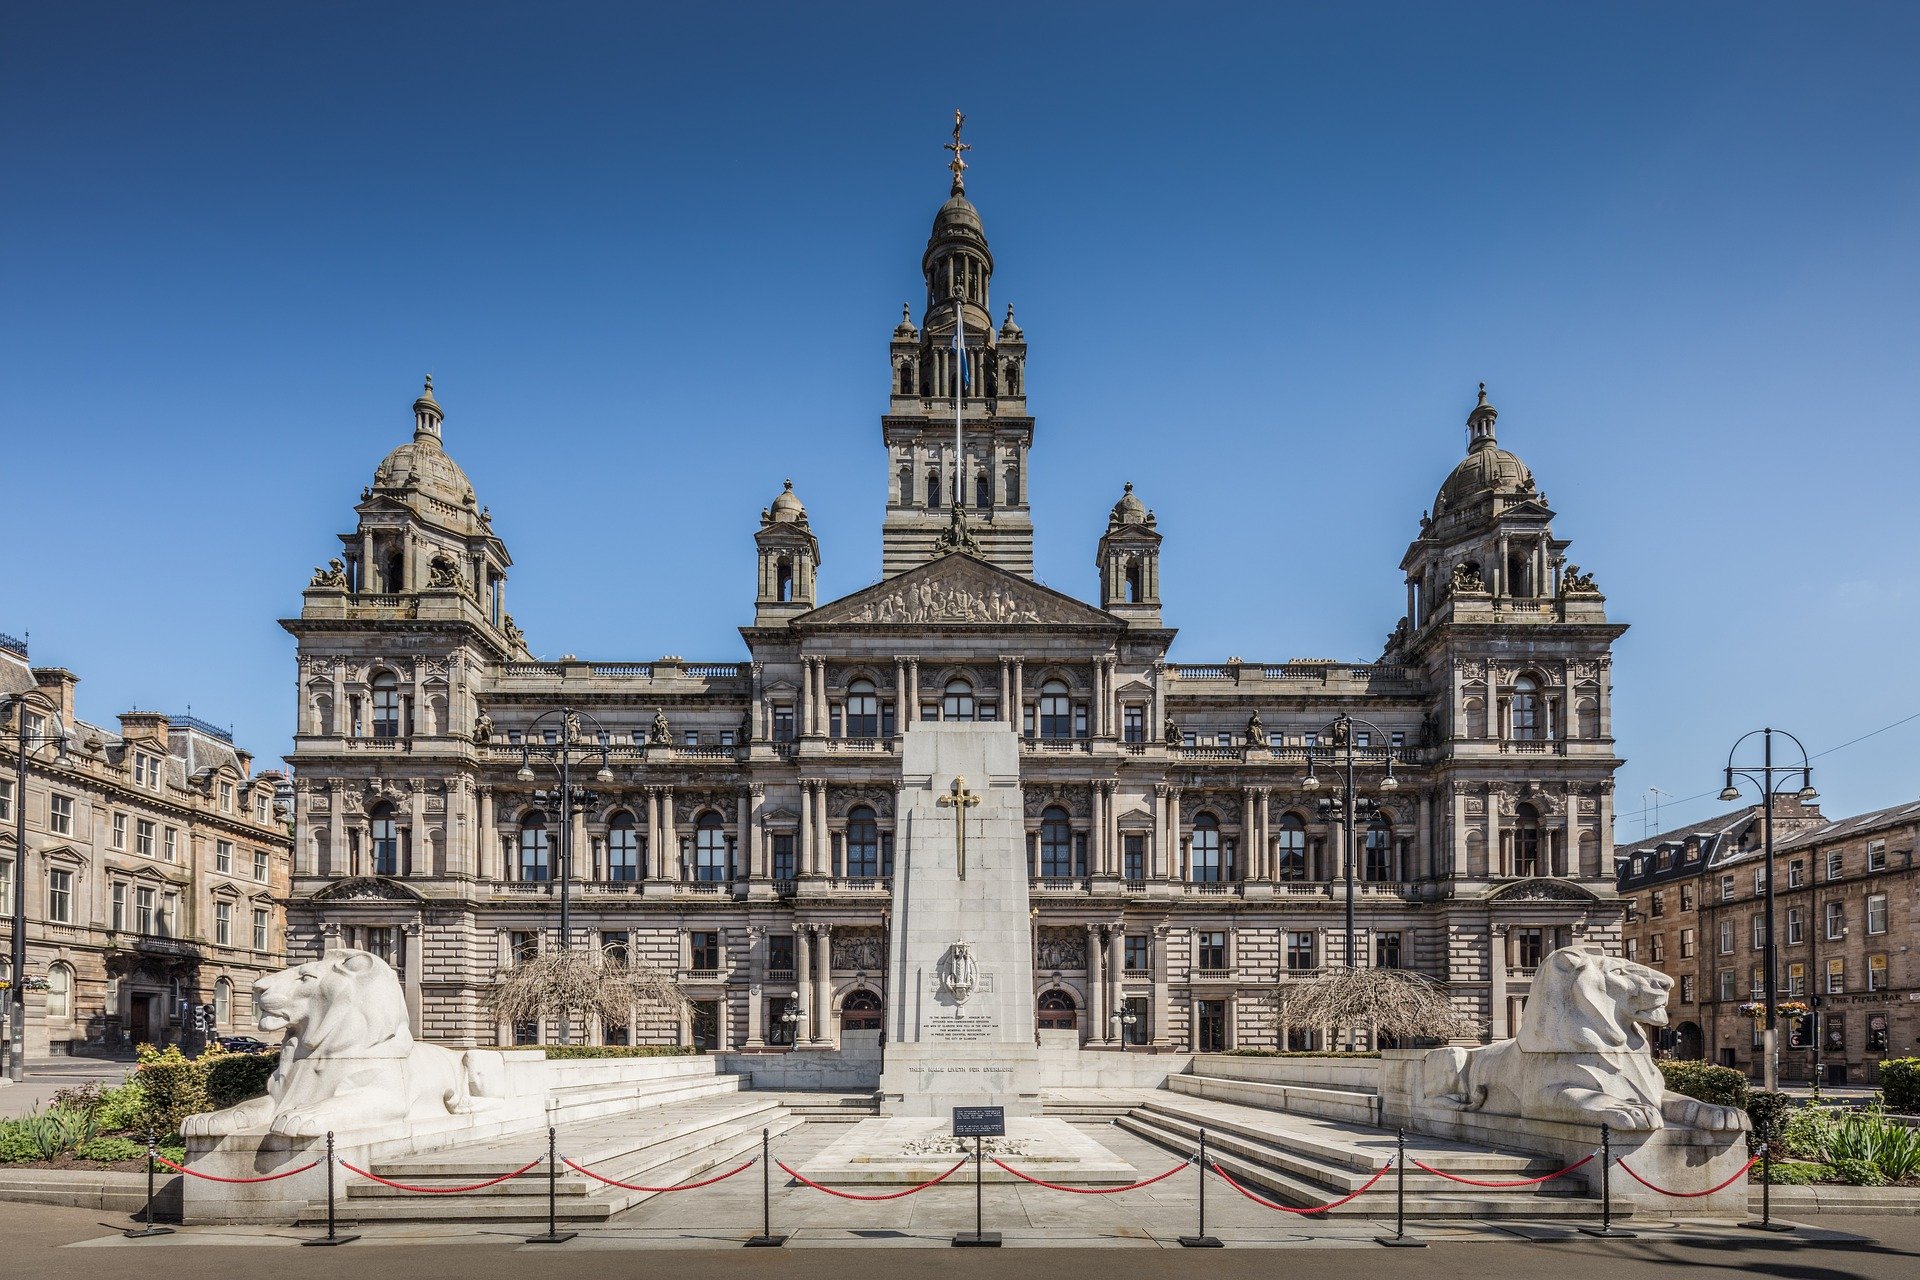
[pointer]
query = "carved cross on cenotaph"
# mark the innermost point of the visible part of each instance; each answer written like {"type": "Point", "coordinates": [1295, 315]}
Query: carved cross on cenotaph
{"type": "Point", "coordinates": [959, 799]}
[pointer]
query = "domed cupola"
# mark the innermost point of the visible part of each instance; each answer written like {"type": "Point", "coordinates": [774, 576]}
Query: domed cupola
{"type": "Point", "coordinates": [789, 558]}
{"type": "Point", "coordinates": [421, 474]}
{"type": "Point", "coordinates": [957, 264]}
{"type": "Point", "coordinates": [1486, 470]}
{"type": "Point", "coordinates": [1129, 562]}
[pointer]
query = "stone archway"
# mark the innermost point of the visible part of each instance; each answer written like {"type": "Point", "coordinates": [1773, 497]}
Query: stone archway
{"type": "Point", "coordinates": [862, 1010]}
{"type": "Point", "coordinates": [1057, 1011]}
{"type": "Point", "coordinates": [1688, 1042]}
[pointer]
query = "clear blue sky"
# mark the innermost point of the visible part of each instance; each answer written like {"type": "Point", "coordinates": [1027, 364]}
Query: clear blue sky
{"type": "Point", "coordinates": [653, 253]}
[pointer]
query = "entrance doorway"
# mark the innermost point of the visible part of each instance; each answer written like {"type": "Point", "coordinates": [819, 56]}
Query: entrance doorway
{"type": "Point", "coordinates": [705, 1020]}
{"type": "Point", "coordinates": [860, 1011]}
{"type": "Point", "coordinates": [1210, 1026]}
{"type": "Point", "coordinates": [1056, 1011]}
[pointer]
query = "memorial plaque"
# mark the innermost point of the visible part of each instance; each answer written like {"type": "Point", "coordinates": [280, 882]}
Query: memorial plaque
{"type": "Point", "coordinates": [979, 1122]}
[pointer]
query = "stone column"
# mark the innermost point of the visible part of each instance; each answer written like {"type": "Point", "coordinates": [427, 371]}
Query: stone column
{"type": "Point", "coordinates": [582, 868]}
{"type": "Point", "coordinates": [486, 841]}
{"type": "Point", "coordinates": [1116, 973]}
{"type": "Point", "coordinates": [1018, 699]}
{"type": "Point", "coordinates": [756, 976]}
{"type": "Point", "coordinates": [656, 842]}
{"type": "Point", "coordinates": [1422, 839]}
{"type": "Point", "coordinates": [1249, 835]}
{"type": "Point", "coordinates": [803, 982]}
{"type": "Point", "coordinates": [1159, 1003]}
{"type": "Point", "coordinates": [1096, 987]}
{"type": "Point", "coordinates": [1170, 857]}
{"type": "Point", "coordinates": [754, 801]}
{"type": "Point", "coordinates": [669, 837]}
{"type": "Point", "coordinates": [904, 702]}
{"type": "Point", "coordinates": [1497, 981]}
{"type": "Point", "coordinates": [823, 979]}
{"type": "Point", "coordinates": [743, 838]}
{"type": "Point", "coordinates": [1496, 863]}
{"type": "Point", "coordinates": [822, 841]}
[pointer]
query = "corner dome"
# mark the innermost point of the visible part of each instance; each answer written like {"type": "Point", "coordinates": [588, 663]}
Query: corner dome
{"type": "Point", "coordinates": [958, 211]}
{"type": "Point", "coordinates": [1129, 510]}
{"type": "Point", "coordinates": [786, 508]}
{"type": "Point", "coordinates": [421, 465]}
{"type": "Point", "coordinates": [1486, 469]}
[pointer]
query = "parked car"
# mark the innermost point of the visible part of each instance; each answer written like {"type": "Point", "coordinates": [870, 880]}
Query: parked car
{"type": "Point", "coordinates": [245, 1044]}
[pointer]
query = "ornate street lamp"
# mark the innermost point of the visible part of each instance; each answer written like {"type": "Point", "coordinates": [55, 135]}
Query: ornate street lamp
{"type": "Point", "coordinates": [1340, 733]}
{"type": "Point", "coordinates": [562, 755]}
{"type": "Point", "coordinates": [1771, 780]}
{"type": "Point", "coordinates": [17, 987]}
{"type": "Point", "coordinates": [1124, 1022]}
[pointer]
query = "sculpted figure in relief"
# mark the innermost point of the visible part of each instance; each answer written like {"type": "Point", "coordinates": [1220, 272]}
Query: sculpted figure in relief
{"type": "Point", "coordinates": [333, 577]}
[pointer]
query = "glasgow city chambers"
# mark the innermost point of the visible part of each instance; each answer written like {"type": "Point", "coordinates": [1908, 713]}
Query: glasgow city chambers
{"type": "Point", "coordinates": [733, 822]}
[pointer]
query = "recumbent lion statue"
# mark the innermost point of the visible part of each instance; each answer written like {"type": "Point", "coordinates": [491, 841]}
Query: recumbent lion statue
{"type": "Point", "coordinates": [349, 1060]}
{"type": "Point", "coordinates": [1581, 1056]}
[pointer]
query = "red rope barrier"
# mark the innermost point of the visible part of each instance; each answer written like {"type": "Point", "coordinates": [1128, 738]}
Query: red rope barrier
{"type": "Point", "coordinates": [684, 1186]}
{"type": "Point", "coordinates": [1690, 1195]}
{"type": "Point", "coordinates": [211, 1177]}
{"type": "Point", "coordinates": [441, 1191]}
{"type": "Point", "coordinates": [1088, 1191]}
{"type": "Point", "coordinates": [1521, 1182]}
{"type": "Point", "coordinates": [1287, 1208]}
{"type": "Point", "coordinates": [848, 1195]}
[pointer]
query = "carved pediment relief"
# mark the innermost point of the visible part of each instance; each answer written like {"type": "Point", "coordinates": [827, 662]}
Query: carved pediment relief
{"type": "Point", "coordinates": [368, 889]}
{"type": "Point", "coordinates": [1542, 891]}
{"type": "Point", "coordinates": [958, 589]}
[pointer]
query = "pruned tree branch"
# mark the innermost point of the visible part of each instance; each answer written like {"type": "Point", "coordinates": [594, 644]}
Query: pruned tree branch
{"type": "Point", "coordinates": [581, 981]}
{"type": "Point", "coordinates": [1395, 1002]}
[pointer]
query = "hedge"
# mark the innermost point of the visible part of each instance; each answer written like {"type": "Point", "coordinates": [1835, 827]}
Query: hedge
{"type": "Point", "coordinates": [1722, 1086]}
{"type": "Point", "coordinates": [1900, 1083]}
{"type": "Point", "coordinates": [1768, 1112]}
{"type": "Point", "coordinates": [176, 1086]}
{"type": "Point", "coordinates": [556, 1052]}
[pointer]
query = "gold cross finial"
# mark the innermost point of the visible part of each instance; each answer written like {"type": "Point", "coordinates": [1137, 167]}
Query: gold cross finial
{"type": "Point", "coordinates": [958, 165]}
{"type": "Point", "coordinates": [959, 799]}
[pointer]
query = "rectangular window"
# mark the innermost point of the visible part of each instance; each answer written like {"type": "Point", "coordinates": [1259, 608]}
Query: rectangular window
{"type": "Point", "coordinates": [1133, 724]}
{"type": "Point", "coordinates": [143, 911]}
{"type": "Point", "coordinates": [1729, 985]}
{"type": "Point", "coordinates": [780, 954]}
{"type": "Point", "coordinates": [691, 737]}
{"type": "Point", "coordinates": [1759, 932]}
{"type": "Point", "coordinates": [1796, 874]}
{"type": "Point", "coordinates": [1399, 740]}
{"type": "Point", "coordinates": [1796, 927]}
{"type": "Point", "coordinates": [146, 770]}
{"type": "Point", "coordinates": [1686, 944]}
{"type": "Point", "coordinates": [170, 845]}
{"type": "Point", "coordinates": [1210, 949]}
{"type": "Point", "coordinates": [1836, 977]}
{"type": "Point", "coordinates": [783, 722]}
{"type": "Point", "coordinates": [705, 949]}
{"type": "Point", "coordinates": [1726, 937]}
{"type": "Point", "coordinates": [1756, 988]}
{"type": "Point", "coordinates": [1686, 988]}
{"type": "Point", "coordinates": [836, 724]}
{"type": "Point", "coordinates": [1080, 720]}
{"type": "Point", "coordinates": [1133, 857]}
{"type": "Point", "coordinates": [1836, 921]}
{"type": "Point", "coordinates": [1686, 897]}
{"type": "Point", "coordinates": [143, 838]}
{"type": "Point", "coordinates": [167, 923]}
{"type": "Point", "coordinates": [616, 946]}
{"type": "Point", "coordinates": [1876, 855]}
{"type": "Point", "coordinates": [1760, 881]}
{"type": "Point", "coordinates": [119, 921]}
{"type": "Point", "coordinates": [1210, 1026]}
{"type": "Point", "coordinates": [223, 923]}
{"type": "Point", "coordinates": [523, 946]}
{"type": "Point", "coordinates": [226, 797]}
{"type": "Point", "coordinates": [1876, 973]}
{"type": "Point", "coordinates": [6, 800]}
{"type": "Point", "coordinates": [1223, 739]}
{"type": "Point", "coordinates": [1659, 946]}
{"type": "Point", "coordinates": [1876, 913]}
{"type": "Point", "coordinates": [1300, 952]}
{"type": "Point", "coordinates": [1189, 738]}
{"type": "Point", "coordinates": [1363, 738]}
{"type": "Point", "coordinates": [783, 864]}
{"type": "Point", "coordinates": [60, 896]}
{"type": "Point", "coordinates": [1659, 904]}
{"type": "Point", "coordinates": [1726, 888]}
{"type": "Point", "coordinates": [1139, 953]}
{"type": "Point", "coordinates": [119, 831]}
{"type": "Point", "coordinates": [1530, 947]}
{"type": "Point", "coordinates": [260, 865]}
{"type": "Point", "coordinates": [223, 856]}
{"type": "Point", "coordinates": [1386, 950]}
{"type": "Point", "coordinates": [1835, 864]}
{"type": "Point", "coordinates": [1633, 948]}
{"type": "Point", "coordinates": [1796, 979]}
{"type": "Point", "coordinates": [60, 814]}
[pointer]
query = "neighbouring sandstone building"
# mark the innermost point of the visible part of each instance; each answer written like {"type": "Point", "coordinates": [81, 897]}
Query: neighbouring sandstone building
{"type": "Point", "coordinates": [1846, 906]}
{"type": "Point", "coordinates": [156, 868]}
{"type": "Point", "coordinates": [740, 826]}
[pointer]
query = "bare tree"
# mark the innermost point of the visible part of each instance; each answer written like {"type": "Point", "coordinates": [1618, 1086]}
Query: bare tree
{"type": "Point", "coordinates": [1394, 1002]}
{"type": "Point", "coordinates": [581, 981]}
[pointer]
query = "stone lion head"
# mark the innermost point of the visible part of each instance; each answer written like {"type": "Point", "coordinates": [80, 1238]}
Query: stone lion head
{"type": "Point", "coordinates": [1585, 1001]}
{"type": "Point", "coordinates": [345, 1004]}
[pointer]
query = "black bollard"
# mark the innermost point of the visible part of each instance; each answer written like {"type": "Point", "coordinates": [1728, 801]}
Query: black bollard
{"type": "Point", "coordinates": [766, 1239]}
{"type": "Point", "coordinates": [1606, 1227]}
{"type": "Point", "coordinates": [1200, 1239]}
{"type": "Point", "coordinates": [979, 1239]}
{"type": "Point", "coordinates": [553, 1234]}
{"type": "Point", "coordinates": [1400, 1239]}
{"type": "Point", "coordinates": [150, 1229]}
{"type": "Point", "coordinates": [333, 1235]}
{"type": "Point", "coordinates": [1766, 1222]}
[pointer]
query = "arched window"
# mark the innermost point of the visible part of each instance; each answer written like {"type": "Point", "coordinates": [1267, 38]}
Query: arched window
{"type": "Point", "coordinates": [1526, 841]}
{"type": "Point", "coordinates": [1379, 850]}
{"type": "Point", "coordinates": [906, 377]}
{"type": "Point", "coordinates": [1056, 710]}
{"type": "Point", "coordinates": [1290, 848]}
{"type": "Point", "coordinates": [860, 1011]}
{"type": "Point", "coordinates": [384, 836]}
{"type": "Point", "coordinates": [863, 845]}
{"type": "Point", "coordinates": [1056, 844]}
{"type": "Point", "coordinates": [863, 710]}
{"type": "Point", "coordinates": [1526, 710]}
{"type": "Point", "coordinates": [709, 848]}
{"type": "Point", "coordinates": [906, 484]}
{"type": "Point", "coordinates": [536, 855]}
{"type": "Point", "coordinates": [223, 1003]}
{"type": "Point", "coordinates": [59, 991]}
{"type": "Point", "coordinates": [386, 705]}
{"type": "Point", "coordinates": [1057, 1011]}
{"type": "Point", "coordinates": [1133, 589]}
{"type": "Point", "coordinates": [1013, 486]}
{"type": "Point", "coordinates": [958, 704]}
{"type": "Point", "coordinates": [933, 489]}
{"type": "Point", "coordinates": [623, 848]}
{"type": "Point", "coordinates": [983, 491]}
{"type": "Point", "coordinates": [783, 585]}
{"type": "Point", "coordinates": [1208, 864]}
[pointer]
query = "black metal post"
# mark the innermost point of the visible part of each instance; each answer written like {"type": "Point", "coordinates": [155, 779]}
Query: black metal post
{"type": "Point", "coordinates": [766, 1239]}
{"type": "Point", "coordinates": [1348, 851]}
{"type": "Point", "coordinates": [1771, 1038]}
{"type": "Point", "coordinates": [1400, 1239]}
{"type": "Point", "coordinates": [17, 951]}
{"type": "Point", "coordinates": [979, 1239]}
{"type": "Point", "coordinates": [553, 1233]}
{"type": "Point", "coordinates": [1766, 1222]}
{"type": "Point", "coordinates": [1201, 1240]}
{"type": "Point", "coordinates": [1606, 1227]}
{"type": "Point", "coordinates": [333, 1235]}
{"type": "Point", "coordinates": [152, 1151]}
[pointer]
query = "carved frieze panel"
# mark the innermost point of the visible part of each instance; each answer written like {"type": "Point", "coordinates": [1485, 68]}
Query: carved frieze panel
{"type": "Point", "coordinates": [1039, 798]}
{"type": "Point", "coordinates": [861, 950]}
{"type": "Point", "coordinates": [1061, 949]}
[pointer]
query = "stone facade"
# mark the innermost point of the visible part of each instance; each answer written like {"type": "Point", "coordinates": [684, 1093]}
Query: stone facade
{"type": "Point", "coordinates": [1181, 862]}
{"type": "Point", "coordinates": [1846, 900]}
{"type": "Point", "coordinates": [157, 865]}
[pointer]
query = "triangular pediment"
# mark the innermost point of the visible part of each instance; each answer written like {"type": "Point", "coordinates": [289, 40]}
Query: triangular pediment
{"type": "Point", "coordinates": [957, 590]}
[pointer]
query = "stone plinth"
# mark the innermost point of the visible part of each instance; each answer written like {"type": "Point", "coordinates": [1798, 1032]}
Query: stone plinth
{"type": "Point", "coordinates": [909, 1149]}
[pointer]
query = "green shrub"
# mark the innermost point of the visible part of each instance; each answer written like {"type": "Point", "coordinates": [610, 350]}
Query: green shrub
{"type": "Point", "coordinates": [122, 1107]}
{"type": "Point", "coordinates": [1808, 1131]}
{"type": "Point", "coordinates": [557, 1052]}
{"type": "Point", "coordinates": [174, 1086]}
{"type": "Point", "coordinates": [1722, 1086]}
{"type": "Point", "coordinates": [1768, 1113]}
{"type": "Point", "coordinates": [235, 1077]}
{"type": "Point", "coordinates": [1859, 1173]}
{"type": "Point", "coordinates": [109, 1150]}
{"type": "Point", "coordinates": [1900, 1083]}
{"type": "Point", "coordinates": [1798, 1173]}
{"type": "Point", "coordinates": [16, 1147]}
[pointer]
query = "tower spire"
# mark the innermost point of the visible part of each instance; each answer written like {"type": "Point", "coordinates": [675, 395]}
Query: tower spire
{"type": "Point", "coordinates": [958, 165]}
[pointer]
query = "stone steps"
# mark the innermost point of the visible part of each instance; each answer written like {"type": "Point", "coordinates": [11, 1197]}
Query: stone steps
{"type": "Point", "coordinates": [1352, 1105]}
{"type": "Point", "coordinates": [1306, 1161]}
{"type": "Point", "coordinates": [833, 1107]}
{"type": "Point", "coordinates": [660, 1146]}
{"type": "Point", "coordinates": [1083, 1106]}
